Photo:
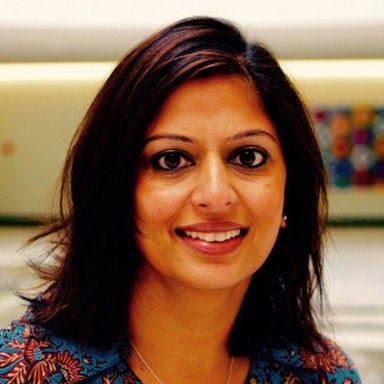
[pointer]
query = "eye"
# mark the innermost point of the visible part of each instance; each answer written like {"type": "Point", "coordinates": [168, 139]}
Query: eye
{"type": "Point", "coordinates": [171, 160]}
{"type": "Point", "coordinates": [248, 157]}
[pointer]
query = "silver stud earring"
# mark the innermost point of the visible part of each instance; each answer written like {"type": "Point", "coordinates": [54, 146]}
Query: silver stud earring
{"type": "Point", "coordinates": [284, 221]}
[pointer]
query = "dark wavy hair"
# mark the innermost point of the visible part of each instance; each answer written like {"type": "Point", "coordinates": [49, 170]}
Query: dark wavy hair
{"type": "Point", "coordinates": [98, 260]}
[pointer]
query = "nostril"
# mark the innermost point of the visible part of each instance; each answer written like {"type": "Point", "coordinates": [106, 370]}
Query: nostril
{"type": "Point", "coordinates": [223, 199]}
{"type": "Point", "coordinates": [214, 190]}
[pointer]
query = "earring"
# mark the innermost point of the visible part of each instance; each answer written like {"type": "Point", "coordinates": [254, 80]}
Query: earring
{"type": "Point", "coordinates": [284, 221]}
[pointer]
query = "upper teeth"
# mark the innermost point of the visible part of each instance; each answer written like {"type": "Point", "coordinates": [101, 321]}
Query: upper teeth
{"type": "Point", "coordinates": [213, 236]}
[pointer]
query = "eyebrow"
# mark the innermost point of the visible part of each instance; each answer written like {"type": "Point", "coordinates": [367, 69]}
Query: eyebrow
{"type": "Point", "coordinates": [253, 132]}
{"type": "Point", "coordinates": [186, 139]}
{"type": "Point", "coordinates": [169, 136]}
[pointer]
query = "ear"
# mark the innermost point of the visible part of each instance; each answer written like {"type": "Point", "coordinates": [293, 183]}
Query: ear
{"type": "Point", "coordinates": [283, 223]}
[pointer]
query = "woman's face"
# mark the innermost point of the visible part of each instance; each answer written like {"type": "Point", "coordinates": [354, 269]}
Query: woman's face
{"type": "Point", "coordinates": [210, 191]}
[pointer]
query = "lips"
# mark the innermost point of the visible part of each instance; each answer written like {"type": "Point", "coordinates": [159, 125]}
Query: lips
{"type": "Point", "coordinates": [218, 238]}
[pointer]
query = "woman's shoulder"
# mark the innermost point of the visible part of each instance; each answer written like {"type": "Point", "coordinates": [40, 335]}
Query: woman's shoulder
{"type": "Point", "coordinates": [291, 363]}
{"type": "Point", "coordinates": [30, 353]}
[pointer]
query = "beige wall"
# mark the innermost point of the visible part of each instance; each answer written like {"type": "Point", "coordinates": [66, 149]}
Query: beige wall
{"type": "Point", "coordinates": [39, 116]}
{"type": "Point", "coordinates": [39, 119]}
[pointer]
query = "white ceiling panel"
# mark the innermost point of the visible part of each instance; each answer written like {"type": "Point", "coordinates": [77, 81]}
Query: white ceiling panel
{"type": "Point", "coordinates": [51, 30]}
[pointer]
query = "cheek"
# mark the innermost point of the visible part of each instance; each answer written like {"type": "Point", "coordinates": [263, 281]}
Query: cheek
{"type": "Point", "coordinates": [156, 202]}
{"type": "Point", "coordinates": [267, 198]}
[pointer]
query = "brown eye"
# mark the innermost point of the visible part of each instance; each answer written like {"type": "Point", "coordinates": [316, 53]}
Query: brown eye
{"type": "Point", "coordinates": [171, 160]}
{"type": "Point", "coordinates": [249, 157]}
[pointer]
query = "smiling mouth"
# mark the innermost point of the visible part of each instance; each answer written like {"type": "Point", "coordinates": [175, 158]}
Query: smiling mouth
{"type": "Point", "coordinates": [213, 237]}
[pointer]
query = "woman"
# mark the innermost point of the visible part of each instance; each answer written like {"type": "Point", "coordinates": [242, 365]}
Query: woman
{"type": "Point", "coordinates": [193, 210]}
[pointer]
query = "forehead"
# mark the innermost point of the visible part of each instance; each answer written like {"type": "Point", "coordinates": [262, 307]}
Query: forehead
{"type": "Point", "coordinates": [232, 89]}
{"type": "Point", "coordinates": [223, 101]}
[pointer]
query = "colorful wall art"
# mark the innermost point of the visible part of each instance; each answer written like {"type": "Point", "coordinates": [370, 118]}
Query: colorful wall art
{"type": "Point", "coordinates": [352, 141]}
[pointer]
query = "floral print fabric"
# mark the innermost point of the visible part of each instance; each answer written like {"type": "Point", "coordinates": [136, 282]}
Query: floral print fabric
{"type": "Point", "coordinates": [30, 354]}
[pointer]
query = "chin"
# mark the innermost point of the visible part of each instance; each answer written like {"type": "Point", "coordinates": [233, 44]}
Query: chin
{"type": "Point", "coordinates": [217, 281]}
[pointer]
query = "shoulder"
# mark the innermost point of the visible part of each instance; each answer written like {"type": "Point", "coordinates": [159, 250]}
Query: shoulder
{"type": "Point", "coordinates": [20, 343]}
{"type": "Point", "coordinates": [32, 354]}
{"type": "Point", "coordinates": [293, 364]}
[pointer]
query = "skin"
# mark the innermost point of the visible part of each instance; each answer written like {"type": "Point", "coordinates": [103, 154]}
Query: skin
{"type": "Point", "coordinates": [213, 169]}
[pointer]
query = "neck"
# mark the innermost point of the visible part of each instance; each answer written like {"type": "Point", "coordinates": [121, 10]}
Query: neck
{"type": "Point", "coordinates": [168, 321]}
{"type": "Point", "coordinates": [177, 312]}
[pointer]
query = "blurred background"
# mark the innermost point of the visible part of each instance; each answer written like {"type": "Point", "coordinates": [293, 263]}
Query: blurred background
{"type": "Point", "coordinates": [54, 55]}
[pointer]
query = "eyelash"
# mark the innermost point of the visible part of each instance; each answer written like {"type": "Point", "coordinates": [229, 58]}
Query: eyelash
{"type": "Point", "coordinates": [159, 161]}
{"type": "Point", "coordinates": [158, 158]}
{"type": "Point", "coordinates": [260, 156]}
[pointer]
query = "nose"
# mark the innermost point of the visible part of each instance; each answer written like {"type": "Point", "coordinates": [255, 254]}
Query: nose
{"type": "Point", "coordinates": [214, 190]}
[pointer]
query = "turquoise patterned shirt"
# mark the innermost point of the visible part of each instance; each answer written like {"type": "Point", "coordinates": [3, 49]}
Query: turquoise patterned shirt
{"type": "Point", "coordinates": [30, 354]}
